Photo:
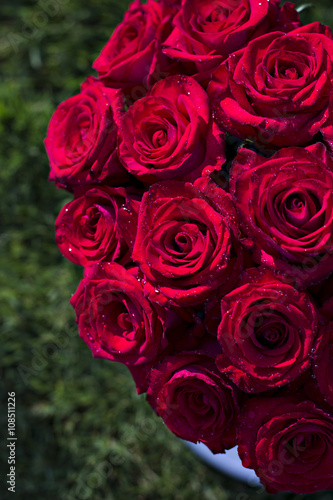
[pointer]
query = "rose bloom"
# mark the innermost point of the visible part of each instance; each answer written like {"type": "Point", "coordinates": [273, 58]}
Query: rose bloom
{"type": "Point", "coordinates": [114, 318]}
{"type": "Point", "coordinates": [268, 332]}
{"type": "Point", "coordinates": [89, 228]}
{"type": "Point", "coordinates": [206, 32]}
{"type": "Point", "coordinates": [132, 59]}
{"type": "Point", "coordinates": [289, 444]}
{"type": "Point", "coordinates": [285, 207]}
{"type": "Point", "coordinates": [323, 365]}
{"type": "Point", "coordinates": [186, 242]}
{"type": "Point", "coordinates": [276, 90]}
{"type": "Point", "coordinates": [170, 135]}
{"type": "Point", "coordinates": [194, 401]}
{"type": "Point", "coordinates": [82, 138]}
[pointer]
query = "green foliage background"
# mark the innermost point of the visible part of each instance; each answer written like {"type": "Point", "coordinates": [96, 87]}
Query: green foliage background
{"type": "Point", "coordinates": [82, 431]}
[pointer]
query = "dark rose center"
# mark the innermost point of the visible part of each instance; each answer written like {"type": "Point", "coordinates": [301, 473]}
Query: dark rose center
{"type": "Point", "coordinates": [122, 321]}
{"type": "Point", "coordinates": [195, 406]}
{"type": "Point", "coordinates": [182, 243]}
{"type": "Point", "coordinates": [295, 204]}
{"type": "Point", "coordinates": [269, 331]}
{"type": "Point", "coordinates": [80, 138]}
{"type": "Point", "coordinates": [114, 317]}
{"type": "Point", "coordinates": [286, 64]}
{"type": "Point", "coordinates": [199, 402]}
{"type": "Point", "coordinates": [218, 14]}
{"type": "Point", "coordinates": [89, 222]}
{"type": "Point", "coordinates": [92, 216]}
{"type": "Point", "coordinates": [84, 125]}
{"type": "Point", "coordinates": [84, 220]}
{"type": "Point", "coordinates": [125, 323]}
{"type": "Point", "coordinates": [269, 337]}
{"type": "Point", "coordinates": [289, 73]}
{"type": "Point", "coordinates": [298, 208]}
{"type": "Point", "coordinates": [220, 11]}
{"type": "Point", "coordinates": [127, 36]}
{"type": "Point", "coordinates": [299, 444]}
{"type": "Point", "coordinates": [185, 241]}
{"type": "Point", "coordinates": [160, 138]}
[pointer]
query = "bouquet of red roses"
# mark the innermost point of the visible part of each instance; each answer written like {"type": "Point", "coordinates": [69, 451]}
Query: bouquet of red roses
{"type": "Point", "coordinates": [201, 166]}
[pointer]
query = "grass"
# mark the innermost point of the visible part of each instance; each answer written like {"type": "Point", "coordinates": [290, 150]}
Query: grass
{"type": "Point", "coordinates": [82, 431]}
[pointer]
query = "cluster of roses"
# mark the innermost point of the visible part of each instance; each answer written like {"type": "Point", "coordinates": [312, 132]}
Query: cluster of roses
{"type": "Point", "coordinates": [200, 162]}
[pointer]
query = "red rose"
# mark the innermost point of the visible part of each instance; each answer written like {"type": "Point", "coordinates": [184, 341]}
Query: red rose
{"type": "Point", "coordinates": [169, 134]}
{"type": "Point", "coordinates": [285, 206]}
{"type": "Point", "coordinates": [207, 32]}
{"type": "Point", "coordinates": [82, 138]}
{"type": "Point", "coordinates": [323, 365]}
{"type": "Point", "coordinates": [288, 443]}
{"type": "Point", "coordinates": [185, 244]}
{"type": "Point", "coordinates": [132, 59]}
{"type": "Point", "coordinates": [87, 228]}
{"type": "Point", "coordinates": [268, 332]}
{"type": "Point", "coordinates": [277, 90]}
{"type": "Point", "coordinates": [194, 401]}
{"type": "Point", "coordinates": [115, 319]}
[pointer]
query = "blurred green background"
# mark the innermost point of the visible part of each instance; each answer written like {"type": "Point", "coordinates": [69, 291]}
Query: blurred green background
{"type": "Point", "coordinates": [83, 433]}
